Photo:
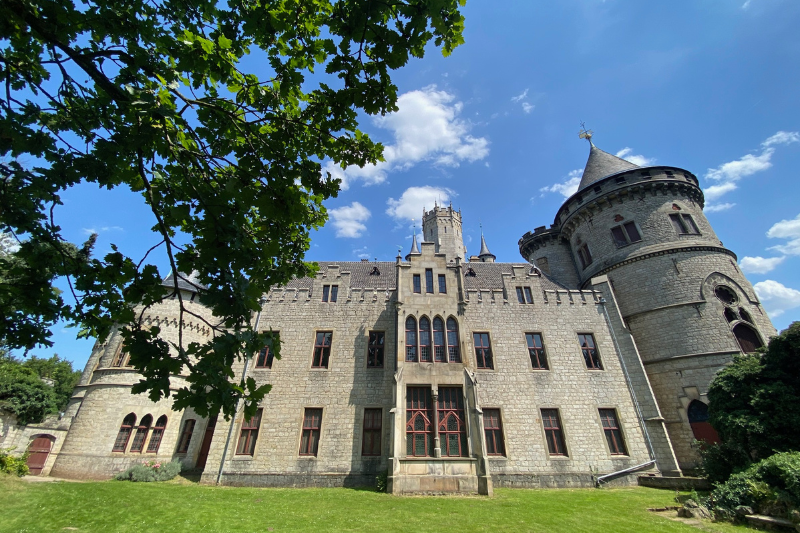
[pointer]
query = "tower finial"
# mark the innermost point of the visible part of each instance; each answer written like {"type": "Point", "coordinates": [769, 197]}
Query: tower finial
{"type": "Point", "coordinates": [586, 134]}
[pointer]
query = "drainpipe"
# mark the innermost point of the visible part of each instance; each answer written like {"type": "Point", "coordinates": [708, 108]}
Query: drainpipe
{"type": "Point", "coordinates": [261, 302]}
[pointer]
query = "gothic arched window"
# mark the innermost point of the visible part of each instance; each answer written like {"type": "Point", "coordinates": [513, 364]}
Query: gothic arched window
{"type": "Point", "coordinates": [124, 433]}
{"type": "Point", "coordinates": [425, 340]}
{"type": "Point", "coordinates": [748, 339]}
{"type": "Point", "coordinates": [697, 412]}
{"type": "Point", "coordinates": [157, 435]}
{"type": "Point", "coordinates": [141, 433]}
{"type": "Point", "coordinates": [439, 346]}
{"type": "Point", "coordinates": [411, 339]}
{"type": "Point", "coordinates": [453, 353]}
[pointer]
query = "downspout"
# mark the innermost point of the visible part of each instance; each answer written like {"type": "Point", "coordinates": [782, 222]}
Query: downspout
{"type": "Point", "coordinates": [261, 302]}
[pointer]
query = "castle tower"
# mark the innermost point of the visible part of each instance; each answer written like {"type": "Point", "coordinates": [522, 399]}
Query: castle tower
{"type": "Point", "coordinates": [442, 226]}
{"type": "Point", "coordinates": [640, 236]}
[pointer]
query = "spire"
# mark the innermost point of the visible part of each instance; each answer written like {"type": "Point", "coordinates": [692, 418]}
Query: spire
{"type": "Point", "coordinates": [414, 245]}
{"type": "Point", "coordinates": [485, 255]}
{"type": "Point", "coordinates": [600, 164]}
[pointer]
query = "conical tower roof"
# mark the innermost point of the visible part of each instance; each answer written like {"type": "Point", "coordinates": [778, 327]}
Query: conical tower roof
{"type": "Point", "coordinates": [600, 165]}
{"type": "Point", "coordinates": [414, 245]}
{"type": "Point", "coordinates": [484, 248]}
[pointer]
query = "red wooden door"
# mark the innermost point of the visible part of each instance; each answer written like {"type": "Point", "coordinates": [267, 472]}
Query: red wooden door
{"type": "Point", "coordinates": [38, 452]}
{"type": "Point", "coordinates": [206, 445]}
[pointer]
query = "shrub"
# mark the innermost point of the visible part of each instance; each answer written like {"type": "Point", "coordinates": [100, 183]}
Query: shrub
{"type": "Point", "coordinates": [382, 482]}
{"type": "Point", "coordinates": [772, 484]}
{"type": "Point", "coordinates": [150, 471]}
{"type": "Point", "coordinates": [10, 464]}
{"type": "Point", "coordinates": [722, 460]}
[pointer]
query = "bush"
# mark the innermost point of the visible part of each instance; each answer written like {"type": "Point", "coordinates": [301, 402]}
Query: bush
{"type": "Point", "coordinates": [382, 481]}
{"type": "Point", "coordinates": [150, 471]}
{"type": "Point", "coordinates": [722, 460]}
{"type": "Point", "coordinates": [10, 464]}
{"type": "Point", "coordinates": [772, 486]}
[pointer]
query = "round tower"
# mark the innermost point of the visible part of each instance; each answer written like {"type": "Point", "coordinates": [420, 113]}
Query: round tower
{"type": "Point", "coordinates": [111, 428]}
{"type": "Point", "coordinates": [679, 290]}
{"type": "Point", "coordinates": [442, 226]}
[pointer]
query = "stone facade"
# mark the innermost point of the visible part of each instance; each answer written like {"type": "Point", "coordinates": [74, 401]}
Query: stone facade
{"type": "Point", "coordinates": [421, 368]}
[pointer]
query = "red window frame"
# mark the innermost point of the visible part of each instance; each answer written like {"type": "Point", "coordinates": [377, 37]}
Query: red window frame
{"type": "Point", "coordinates": [453, 353]}
{"type": "Point", "coordinates": [312, 426]}
{"type": "Point", "coordinates": [419, 428]}
{"type": "Point", "coordinates": [124, 433]}
{"type": "Point", "coordinates": [264, 358]}
{"type": "Point", "coordinates": [551, 421]}
{"type": "Point", "coordinates": [141, 434]}
{"type": "Point", "coordinates": [439, 343]}
{"type": "Point", "coordinates": [425, 355]}
{"type": "Point", "coordinates": [186, 435]}
{"type": "Point", "coordinates": [157, 435]}
{"type": "Point", "coordinates": [375, 349]}
{"type": "Point", "coordinates": [248, 434]}
{"type": "Point", "coordinates": [451, 426]}
{"type": "Point", "coordinates": [322, 349]}
{"type": "Point", "coordinates": [493, 429]}
{"type": "Point", "coordinates": [372, 433]}
{"type": "Point", "coordinates": [610, 422]}
{"type": "Point", "coordinates": [536, 351]}
{"type": "Point", "coordinates": [412, 349]}
{"type": "Point", "coordinates": [483, 350]}
{"type": "Point", "coordinates": [589, 349]}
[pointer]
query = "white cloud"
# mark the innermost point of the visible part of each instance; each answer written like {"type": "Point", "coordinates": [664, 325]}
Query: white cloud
{"type": "Point", "coordinates": [520, 97]}
{"type": "Point", "coordinates": [361, 253]}
{"type": "Point", "coordinates": [782, 137]}
{"type": "Point", "coordinates": [776, 297]}
{"type": "Point", "coordinates": [759, 265]}
{"type": "Point", "coordinates": [715, 208]}
{"type": "Point", "coordinates": [349, 220]}
{"type": "Point", "coordinates": [527, 107]}
{"type": "Point", "coordinates": [103, 229]}
{"type": "Point", "coordinates": [414, 199]}
{"type": "Point", "coordinates": [715, 191]}
{"type": "Point", "coordinates": [786, 229]}
{"type": "Point", "coordinates": [639, 160]}
{"type": "Point", "coordinates": [568, 187]}
{"type": "Point", "coordinates": [746, 4]}
{"type": "Point", "coordinates": [425, 127]}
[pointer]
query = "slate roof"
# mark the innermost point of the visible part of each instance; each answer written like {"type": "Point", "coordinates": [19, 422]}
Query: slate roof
{"type": "Point", "coordinates": [489, 276]}
{"type": "Point", "coordinates": [360, 277]}
{"type": "Point", "coordinates": [185, 282]}
{"type": "Point", "coordinates": [600, 165]}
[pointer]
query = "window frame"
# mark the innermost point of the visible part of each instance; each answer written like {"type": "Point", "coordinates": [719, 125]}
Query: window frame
{"type": "Point", "coordinates": [428, 281]}
{"type": "Point", "coordinates": [585, 255]}
{"type": "Point", "coordinates": [625, 230]}
{"type": "Point", "coordinates": [412, 347]}
{"type": "Point", "coordinates": [442, 284]}
{"type": "Point", "coordinates": [143, 429]}
{"type": "Point", "coordinates": [411, 414]}
{"type": "Point", "coordinates": [377, 346]}
{"type": "Point", "coordinates": [129, 424]}
{"type": "Point", "coordinates": [439, 356]}
{"type": "Point", "coordinates": [520, 296]}
{"type": "Point", "coordinates": [252, 426]}
{"type": "Point", "coordinates": [610, 429]}
{"type": "Point", "coordinates": [679, 223]}
{"type": "Point", "coordinates": [185, 439]}
{"type": "Point", "coordinates": [480, 361]}
{"type": "Point", "coordinates": [588, 357]}
{"type": "Point", "coordinates": [268, 358]}
{"type": "Point", "coordinates": [425, 351]}
{"type": "Point", "coordinates": [540, 351]}
{"type": "Point", "coordinates": [495, 431]}
{"type": "Point", "coordinates": [330, 293]}
{"type": "Point", "coordinates": [323, 357]}
{"type": "Point", "coordinates": [417, 283]}
{"type": "Point", "coordinates": [157, 434]}
{"type": "Point", "coordinates": [314, 432]}
{"type": "Point", "coordinates": [554, 435]}
{"type": "Point", "coordinates": [528, 295]}
{"type": "Point", "coordinates": [450, 402]}
{"type": "Point", "coordinates": [453, 348]}
{"type": "Point", "coordinates": [375, 432]}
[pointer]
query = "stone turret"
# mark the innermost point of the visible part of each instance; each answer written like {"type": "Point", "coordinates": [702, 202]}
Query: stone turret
{"type": "Point", "coordinates": [442, 226]}
{"type": "Point", "coordinates": [485, 256]}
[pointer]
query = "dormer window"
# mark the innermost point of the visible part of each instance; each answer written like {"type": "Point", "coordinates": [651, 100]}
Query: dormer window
{"type": "Point", "coordinates": [375, 271]}
{"type": "Point", "coordinates": [470, 272]}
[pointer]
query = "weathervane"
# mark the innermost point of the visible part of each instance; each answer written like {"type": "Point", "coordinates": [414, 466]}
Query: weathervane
{"type": "Point", "coordinates": [585, 134]}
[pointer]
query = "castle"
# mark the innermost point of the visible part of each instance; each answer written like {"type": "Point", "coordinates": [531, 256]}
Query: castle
{"type": "Point", "coordinates": [590, 360]}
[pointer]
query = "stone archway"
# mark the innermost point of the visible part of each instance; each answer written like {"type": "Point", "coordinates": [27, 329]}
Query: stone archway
{"type": "Point", "coordinates": [39, 451]}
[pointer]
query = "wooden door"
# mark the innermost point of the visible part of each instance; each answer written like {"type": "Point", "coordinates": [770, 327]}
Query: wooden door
{"type": "Point", "coordinates": [38, 452]}
{"type": "Point", "coordinates": [206, 445]}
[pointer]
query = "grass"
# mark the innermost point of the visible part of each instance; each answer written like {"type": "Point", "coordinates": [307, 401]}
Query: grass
{"type": "Point", "coordinates": [183, 506]}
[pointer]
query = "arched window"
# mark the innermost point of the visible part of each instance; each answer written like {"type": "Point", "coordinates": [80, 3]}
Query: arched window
{"type": "Point", "coordinates": [453, 353]}
{"type": "Point", "coordinates": [745, 315]}
{"type": "Point", "coordinates": [425, 340]}
{"type": "Point", "coordinates": [439, 346]}
{"type": "Point", "coordinates": [748, 339]}
{"type": "Point", "coordinates": [158, 434]}
{"type": "Point", "coordinates": [698, 419]}
{"type": "Point", "coordinates": [124, 434]}
{"type": "Point", "coordinates": [411, 339]}
{"type": "Point", "coordinates": [141, 433]}
{"type": "Point", "coordinates": [730, 315]}
{"type": "Point", "coordinates": [725, 294]}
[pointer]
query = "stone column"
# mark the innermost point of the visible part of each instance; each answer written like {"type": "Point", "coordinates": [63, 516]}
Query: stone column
{"type": "Point", "coordinates": [437, 449]}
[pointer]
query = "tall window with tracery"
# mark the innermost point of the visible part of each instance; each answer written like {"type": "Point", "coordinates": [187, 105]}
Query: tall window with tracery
{"type": "Point", "coordinates": [439, 346]}
{"type": "Point", "coordinates": [141, 433]}
{"type": "Point", "coordinates": [125, 430]}
{"type": "Point", "coordinates": [425, 355]}
{"type": "Point", "coordinates": [411, 339]}
{"type": "Point", "coordinates": [452, 428]}
{"type": "Point", "coordinates": [453, 353]}
{"type": "Point", "coordinates": [419, 428]}
{"type": "Point", "coordinates": [157, 434]}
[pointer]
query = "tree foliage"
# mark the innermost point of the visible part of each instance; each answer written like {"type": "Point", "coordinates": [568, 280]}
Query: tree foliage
{"type": "Point", "coordinates": [753, 405]}
{"type": "Point", "coordinates": [152, 95]}
{"type": "Point", "coordinates": [35, 388]}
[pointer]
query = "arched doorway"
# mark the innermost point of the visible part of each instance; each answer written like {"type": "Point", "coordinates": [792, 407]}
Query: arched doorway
{"type": "Point", "coordinates": [38, 452]}
{"type": "Point", "coordinates": [698, 419]}
{"type": "Point", "coordinates": [748, 339]}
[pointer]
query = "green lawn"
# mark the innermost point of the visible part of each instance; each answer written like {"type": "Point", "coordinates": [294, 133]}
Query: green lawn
{"type": "Point", "coordinates": [182, 506]}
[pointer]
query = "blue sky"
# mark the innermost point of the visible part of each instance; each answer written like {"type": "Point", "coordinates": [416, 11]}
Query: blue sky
{"type": "Point", "coordinates": [706, 85]}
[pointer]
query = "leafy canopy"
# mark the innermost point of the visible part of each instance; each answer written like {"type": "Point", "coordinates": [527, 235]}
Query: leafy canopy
{"type": "Point", "coordinates": [151, 95]}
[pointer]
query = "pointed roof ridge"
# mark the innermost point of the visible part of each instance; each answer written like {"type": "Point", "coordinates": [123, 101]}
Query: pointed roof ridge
{"type": "Point", "coordinates": [602, 164]}
{"type": "Point", "coordinates": [484, 248]}
{"type": "Point", "coordinates": [414, 246]}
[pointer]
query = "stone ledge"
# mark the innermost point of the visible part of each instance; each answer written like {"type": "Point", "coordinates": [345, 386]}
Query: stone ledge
{"type": "Point", "coordinates": [769, 522]}
{"type": "Point", "coordinates": [674, 483]}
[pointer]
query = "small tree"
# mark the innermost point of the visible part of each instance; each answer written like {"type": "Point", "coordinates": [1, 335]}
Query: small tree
{"type": "Point", "coordinates": [753, 405]}
{"type": "Point", "coordinates": [23, 393]}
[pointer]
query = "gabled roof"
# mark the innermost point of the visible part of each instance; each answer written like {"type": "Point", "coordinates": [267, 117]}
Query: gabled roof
{"type": "Point", "coordinates": [601, 164]}
{"type": "Point", "coordinates": [186, 282]}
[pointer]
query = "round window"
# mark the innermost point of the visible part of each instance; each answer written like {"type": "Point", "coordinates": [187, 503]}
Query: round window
{"type": "Point", "coordinates": [725, 294]}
